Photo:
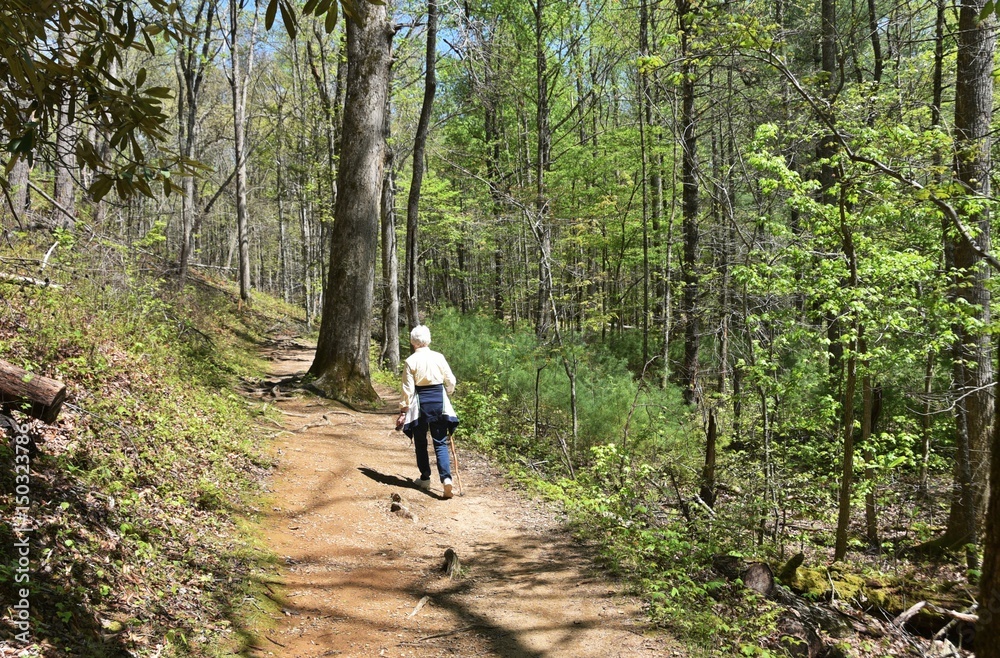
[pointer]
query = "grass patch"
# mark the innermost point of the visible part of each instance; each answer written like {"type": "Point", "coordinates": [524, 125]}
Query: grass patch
{"type": "Point", "coordinates": [143, 492]}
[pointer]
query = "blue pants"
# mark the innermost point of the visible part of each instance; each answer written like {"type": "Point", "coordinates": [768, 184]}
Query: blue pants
{"type": "Point", "coordinates": [439, 433]}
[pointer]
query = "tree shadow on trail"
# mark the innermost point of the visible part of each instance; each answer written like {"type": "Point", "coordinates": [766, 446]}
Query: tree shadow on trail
{"type": "Point", "coordinates": [395, 481]}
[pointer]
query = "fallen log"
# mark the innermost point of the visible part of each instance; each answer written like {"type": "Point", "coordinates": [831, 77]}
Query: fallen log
{"type": "Point", "coordinates": [906, 615]}
{"type": "Point", "coordinates": [787, 573]}
{"type": "Point", "coordinates": [759, 578]}
{"type": "Point", "coordinates": [37, 396]}
{"type": "Point", "coordinates": [27, 280]}
{"type": "Point", "coordinates": [798, 638]}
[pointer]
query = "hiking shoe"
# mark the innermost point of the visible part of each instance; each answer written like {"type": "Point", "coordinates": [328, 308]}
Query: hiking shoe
{"type": "Point", "coordinates": [424, 484]}
{"type": "Point", "coordinates": [447, 487]}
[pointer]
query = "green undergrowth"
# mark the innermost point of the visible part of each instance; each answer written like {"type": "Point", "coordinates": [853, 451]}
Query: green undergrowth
{"type": "Point", "coordinates": [637, 450]}
{"type": "Point", "coordinates": [632, 488]}
{"type": "Point", "coordinates": [142, 491]}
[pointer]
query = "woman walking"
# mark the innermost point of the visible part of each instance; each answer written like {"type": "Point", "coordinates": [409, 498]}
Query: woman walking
{"type": "Point", "coordinates": [427, 382]}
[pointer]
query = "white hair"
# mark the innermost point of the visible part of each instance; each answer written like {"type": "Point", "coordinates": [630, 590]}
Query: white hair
{"type": "Point", "coordinates": [420, 336]}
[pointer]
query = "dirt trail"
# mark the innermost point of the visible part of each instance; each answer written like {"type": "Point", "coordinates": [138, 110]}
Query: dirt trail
{"type": "Point", "coordinates": [356, 571]}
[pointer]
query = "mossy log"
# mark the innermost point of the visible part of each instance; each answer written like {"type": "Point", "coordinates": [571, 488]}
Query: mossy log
{"type": "Point", "coordinates": [787, 573]}
{"type": "Point", "coordinates": [890, 596]}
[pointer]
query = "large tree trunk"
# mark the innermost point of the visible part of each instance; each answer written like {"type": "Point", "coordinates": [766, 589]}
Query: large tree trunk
{"type": "Point", "coordinates": [341, 365]}
{"type": "Point", "coordinates": [973, 366]}
{"type": "Point", "coordinates": [419, 143]}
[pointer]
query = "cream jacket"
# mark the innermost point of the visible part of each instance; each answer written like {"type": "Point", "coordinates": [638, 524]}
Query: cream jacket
{"type": "Point", "coordinates": [425, 367]}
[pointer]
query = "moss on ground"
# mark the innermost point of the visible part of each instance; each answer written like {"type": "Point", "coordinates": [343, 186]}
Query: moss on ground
{"type": "Point", "coordinates": [885, 592]}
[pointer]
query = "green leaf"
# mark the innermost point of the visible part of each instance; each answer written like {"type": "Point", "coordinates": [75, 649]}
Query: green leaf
{"type": "Point", "coordinates": [11, 162]}
{"type": "Point", "coordinates": [160, 92]}
{"type": "Point", "coordinates": [272, 11]}
{"type": "Point", "coordinates": [331, 18]}
{"type": "Point", "coordinates": [100, 187]}
{"type": "Point", "coordinates": [288, 18]}
{"type": "Point", "coordinates": [149, 43]}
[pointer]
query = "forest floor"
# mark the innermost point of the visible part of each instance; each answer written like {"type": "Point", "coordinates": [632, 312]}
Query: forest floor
{"type": "Point", "coordinates": [356, 573]}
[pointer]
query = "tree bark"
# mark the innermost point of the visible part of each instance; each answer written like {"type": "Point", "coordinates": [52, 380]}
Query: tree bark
{"type": "Point", "coordinates": [192, 60]}
{"type": "Point", "coordinates": [645, 116]}
{"type": "Point", "coordinates": [689, 207]}
{"type": "Point", "coordinates": [847, 466]}
{"type": "Point", "coordinates": [850, 387]}
{"type": "Point", "coordinates": [543, 152]}
{"type": "Point", "coordinates": [870, 399]}
{"type": "Point", "coordinates": [708, 471]}
{"type": "Point", "coordinates": [64, 191]}
{"type": "Point", "coordinates": [341, 365]}
{"type": "Point", "coordinates": [239, 87]}
{"type": "Point", "coordinates": [419, 145]}
{"type": "Point", "coordinates": [390, 265]}
{"type": "Point", "coordinates": [973, 365]}
{"type": "Point", "coordinates": [988, 627]}
{"type": "Point", "coordinates": [18, 191]}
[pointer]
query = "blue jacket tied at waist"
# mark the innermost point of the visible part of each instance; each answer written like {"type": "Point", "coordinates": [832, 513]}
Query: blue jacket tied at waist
{"type": "Point", "coordinates": [432, 407]}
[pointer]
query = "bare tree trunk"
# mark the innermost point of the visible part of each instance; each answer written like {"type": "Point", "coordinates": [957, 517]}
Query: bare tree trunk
{"type": "Point", "coordinates": [239, 86]}
{"type": "Point", "coordinates": [988, 627]}
{"type": "Point", "coordinates": [645, 116]}
{"type": "Point", "coordinates": [689, 206]}
{"type": "Point", "coordinates": [876, 42]}
{"type": "Point", "coordinates": [492, 136]}
{"type": "Point", "coordinates": [868, 419]}
{"type": "Point", "coordinates": [847, 467]}
{"type": "Point", "coordinates": [18, 191]}
{"type": "Point", "coordinates": [540, 223]}
{"type": "Point", "coordinates": [64, 191]}
{"type": "Point", "coordinates": [708, 471]}
{"type": "Point", "coordinates": [341, 366]}
{"type": "Point", "coordinates": [192, 60]}
{"type": "Point", "coordinates": [306, 263]}
{"type": "Point", "coordinates": [390, 266]}
{"type": "Point", "coordinates": [937, 92]}
{"type": "Point", "coordinates": [419, 144]}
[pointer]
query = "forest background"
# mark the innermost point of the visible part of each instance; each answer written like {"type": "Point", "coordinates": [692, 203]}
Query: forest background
{"type": "Point", "coordinates": [724, 267]}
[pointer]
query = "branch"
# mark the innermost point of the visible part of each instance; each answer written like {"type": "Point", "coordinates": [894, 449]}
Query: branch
{"type": "Point", "coordinates": [949, 211]}
{"type": "Point", "coordinates": [14, 278]}
{"type": "Point", "coordinates": [55, 203]}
